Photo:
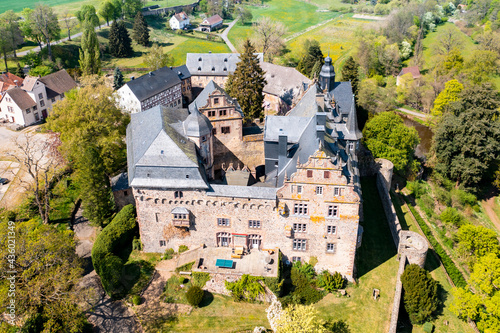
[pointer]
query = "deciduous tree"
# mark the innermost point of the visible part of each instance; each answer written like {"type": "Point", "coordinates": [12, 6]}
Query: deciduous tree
{"type": "Point", "coordinates": [107, 11]}
{"type": "Point", "coordinates": [88, 14]}
{"type": "Point", "coordinates": [477, 241]}
{"type": "Point", "coordinates": [450, 94]}
{"type": "Point", "coordinates": [448, 38]}
{"type": "Point", "coordinates": [156, 58]}
{"type": "Point", "coordinates": [247, 83]}
{"type": "Point", "coordinates": [46, 25]}
{"type": "Point", "coordinates": [386, 136]}
{"type": "Point", "coordinates": [27, 26]}
{"type": "Point", "coordinates": [13, 34]}
{"type": "Point", "coordinates": [69, 21]}
{"type": "Point", "coordinates": [47, 273]}
{"type": "Point", "coordinates": [140, 32]}
{"type": "Point", "coordinates": [269, 36]}
{"type": "Point", "coordinates": [300, 318]}
{"type": "Point", "coordinates": [90, 61]}
{"type": "Point", "coordinates": [131, 7]}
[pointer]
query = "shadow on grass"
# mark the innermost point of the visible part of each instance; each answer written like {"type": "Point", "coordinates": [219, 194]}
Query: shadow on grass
{"type": "Point", "coordinates": [377, 246]}
{"type": "Point", "coordinates": [399, 212]}
{"type": "Point", "coordinates": [404, 324]}
{"type": "Point", "coordinates": [431, 262]}
{"type": "Point", "coordinates": [208, 298]}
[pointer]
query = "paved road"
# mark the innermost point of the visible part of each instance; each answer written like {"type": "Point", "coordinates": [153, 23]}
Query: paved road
{"type": "Point", "coordinates": [416, 114]}
{"type": "Point", "coordinates": [37, 49]}
{"type": "Point", "coordinates": [226, 40]}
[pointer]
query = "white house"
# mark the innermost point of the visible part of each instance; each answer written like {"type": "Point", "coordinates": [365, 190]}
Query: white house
{"type": "Point", "coordinates": [31, 101]}
{"type": "Point", "coordinates": [179, 21]}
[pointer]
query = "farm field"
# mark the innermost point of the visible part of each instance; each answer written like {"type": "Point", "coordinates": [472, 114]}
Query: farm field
{"type": "Point", "coordinates": [285, 11]}
{"type": "Point", "coordinates": [336, 37]}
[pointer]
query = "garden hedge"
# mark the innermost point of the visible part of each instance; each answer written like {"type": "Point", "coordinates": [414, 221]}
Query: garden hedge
{"type": "Point", "coordinates": [116, 236]}
{"type": "Point", "coordinates": [454, 273]}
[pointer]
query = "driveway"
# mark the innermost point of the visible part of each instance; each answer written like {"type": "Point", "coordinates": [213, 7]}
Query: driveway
{"type": "Point", "coordinates": [223, 35]}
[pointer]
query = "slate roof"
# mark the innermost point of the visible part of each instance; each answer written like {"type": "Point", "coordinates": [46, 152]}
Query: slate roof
{"type": "Point", "coordinates": [214, 63]}
{"type": "Point", "coordinates": [250, 192]}
{"type": "Point", "coordinates": [158, 156]}
{"type": "Point", "coordinates": [153, 83]}
{"type": "Point", "coordinates": [307, 106]}
{"type": "Point", "coordinates": [182, 72]}
{"type": "Point", "coordinates": [212, 20]}
{"type": "Point", "coordinates": [120, 182]}
{"type": "Point", "coordinates": [285, 82]}
{"type": "Point", "coordinates": [290, 126]}
{"type": "Point", "coordinates": [202, 98]}
{"type": "Point", "coordinates": [58, 83]}
{"type": "Point", "coordinates": [415, 72]}
{"type": "Point", "coordinates": [196, 124]}
{"type": "Point", "coordinates": [342, 93]}
{"type": "Point", "coordinates": [21, 98]}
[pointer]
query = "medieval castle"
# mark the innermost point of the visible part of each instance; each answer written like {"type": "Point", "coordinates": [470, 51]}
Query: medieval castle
{"type": "Point", "coordinates": [199, 177]}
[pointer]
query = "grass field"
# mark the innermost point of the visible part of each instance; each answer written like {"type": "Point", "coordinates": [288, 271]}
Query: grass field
{"type": "Point", "coordinates": [438, 273]}
{"type": "Point", "coordinates": [336, 37]}
{"type": "Point", "coordinates": [295, 15]}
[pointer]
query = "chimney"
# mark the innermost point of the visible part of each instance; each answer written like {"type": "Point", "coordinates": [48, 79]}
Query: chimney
{"type": "Point", "coordinates": [282, 145]}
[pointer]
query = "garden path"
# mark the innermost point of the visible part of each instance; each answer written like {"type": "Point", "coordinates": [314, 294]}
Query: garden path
{"type": "Point", "coordinates": [488, 207]}
{"type": "Point", "coordinates": [297, 34]}
{"type": "Point", "coordinates": [413, 113]}
{"type": "Point", "coordinates": [223, 35]}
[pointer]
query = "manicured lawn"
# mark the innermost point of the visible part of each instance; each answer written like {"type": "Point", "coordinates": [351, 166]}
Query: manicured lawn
{"type": "Point", "coordinates": [336, 37]}
{"type": "Point", "coordinates": [438, 273]}
{"type": "Point", "coordinates": [327, 4]}
{"type": "Point", "coordinates": [295, 15]}
{"type": "Point", "coordinates": [192, 45]}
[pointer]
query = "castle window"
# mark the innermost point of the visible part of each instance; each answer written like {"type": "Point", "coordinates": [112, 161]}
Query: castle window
{"type": "Point", "coordinates": [300, 209]}
{"type": "Point", "coordinates": [336, 191]}
{"type": "Point", "coordinates": [180, 216]}
{"type": "Point", "coordinates": [125, 193]}
{"type": "Point", "coordinates": [42, 103]}
{"type": "Point", "coordinates": [222, 222]}
{"type": "Point", "coordinates": [211, 113]}
{"type": "Point", "coordinates": [187, 176]}
{"type": "Point", "coordinates": [222, 112]}
{"type": "Point", "coordinates": [223, 239]}
{"type": "Point", "coordinates": [203, 138]}
{"type": "Point", "coordinates": [254, 224]}
{"type": "Point", "coordinates": [299, 227]}
{"type": "Point", "coordinates": [163, 243]}
{"type": "Point", "coordinates": [295, 259]}
{"type": "Point", "coordinates": [40, 96]}
{"type": "Point", "coordinates": [327, 174]}
{"type": "Point", "coordinates": [178, 194]}
{"type": "Point", "coordinates": [299, 189]}
{"type": "Point", "coordinates": [300, 244]}
{"type": "Point", "coordinates": [319, 190]}
{"type": "Point", "coordinates": [157, 217]}
{"type": "Point", "coordinates": [199, 69]}
{"type": "Point", "coordinates": [333, 211]}
{"type": "Point", "coordinates": [225, 59]}
{"type": "Point", "coordinates": [199, 59]}
{"type": "Point", "coordinates": [331, 229]}
{"type": "Point", "coordinates": [214, 131]}
{"type": "Point", "coordinates": [225, 130]}
{"type": "Point", "coordinates": [309, 173]}
{"type": "Point", "coordinates": [216, 100]}
{"type": "Point", "coordinates": [28, 110]}
{"type": "Point", "coordinates": [330, 247]}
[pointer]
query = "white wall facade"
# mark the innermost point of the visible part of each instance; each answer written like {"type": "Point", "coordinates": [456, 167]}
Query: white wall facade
{"type": "Point", "coordinates": [127, 100]}
{"type": "Point", "coordinates": [175, 24]}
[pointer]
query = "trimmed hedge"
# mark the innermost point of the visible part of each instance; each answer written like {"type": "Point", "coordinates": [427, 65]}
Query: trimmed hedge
{"type": "Point", "coordinates": [116, 236]}
{"type": "Point", "coordinates": [455, 275]}
{"type": "Point", "coordinates": [194, 295]}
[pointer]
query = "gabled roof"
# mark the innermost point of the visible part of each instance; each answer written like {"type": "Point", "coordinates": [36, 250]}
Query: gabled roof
{"type": "Point", "coordinates": [182, 72]}
{"type": "Point", "coordinates": [413, 70]}
{"type": "Point", "coordinates": [29, 82]}
{"type": "Point", "coordinates": [212, 20]}
{"type": "Point", "coordinates": [158, 156]}
{"type": "Point", "coordinates": [202, 98]}
{"type": "Point", "coordinates": [214, 63]}
{"type": "Point", "coordinates": [8, 80]}
{"type": "Point", "coordinates": [21, 98]}
{"type": "Point", "coordinates": [307, 106]}
{"type": "Point", "coordinates": [285, 82]}
{"type": "Point", "coordinates": [58, 83]}
{"type": "Point", "coordinates": [181, 17]}
{"type": "Point", "coordinates": [153, 83]}
{"type": "Point", "coordinates": [342, 94]}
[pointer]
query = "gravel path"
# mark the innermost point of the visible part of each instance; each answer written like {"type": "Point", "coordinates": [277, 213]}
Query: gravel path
{"type": "Point", "coordinates": [223, 35]}
{"type": "Point", "coordinates": [413, 113]}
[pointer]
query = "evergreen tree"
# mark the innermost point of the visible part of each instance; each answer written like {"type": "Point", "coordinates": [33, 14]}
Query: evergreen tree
{"type": "Point", "coordinates": [90, 174]}
{"type": "Point", "coordinates": [316, 69]}
{"type": "Point", "coordinates": [313, 54]}
{"type": "Point", "coordinates": [90, 61]}
{"type": "Point", "coordinates": [420, 293]}
{"type": "Point", "coordinates": [247, 83]}
{"type": "Point", "coordinates": [140, 32]}
{"type": "Point", "coordinates": [350, 73]}
{"type": "Point", "coordinates": [117, 79]}
{"type": "Point", "coordinates": [120, 44]}
{"type": "Point", "coordinates": [20, 71]}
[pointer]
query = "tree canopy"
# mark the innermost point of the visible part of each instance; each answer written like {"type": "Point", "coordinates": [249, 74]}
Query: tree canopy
{"type": "Point", "coordinates": [90, 60]}
{"type": "Point", "coordinates": [451, 93]}
{"type": "Point", "coordinates": [350, 73]}
{"type": "Point", "coordinates": [140, 31]}
{"type": "Point", "coordinates": [477, 241]}
{"type": "Point", "coordinates": [312, 56]}
{"type": "Point", "coordinates": [107, 11]}
{"type": "Point", "coordinates": [386, 136]}
{"type": "Point", "coordinates": [120, 44]}
{"type": "Point", "coordinates": [117, 79]}
{"type": "Point", "coordinates": [48, 269]}
{"type": "Point", "coordinates": [467, 140]}
{"type": "Point", "coordinates": [300, 318]}
{"type": "Point", "coordinates": [247, 83]}
{"type": "Point", "coordinates": [420, 293]}
{"type": "Point", "coordinates": [156, 58]}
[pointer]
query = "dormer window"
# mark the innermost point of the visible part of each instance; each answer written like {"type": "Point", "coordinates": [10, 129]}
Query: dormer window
{"type": "Point", "coordinates": [180, 217]}
{"type": "Point", "coordinates": [216, 100]}
{"type": "Point", "coordinates": [225, 59]}
{"type": "Point", "coordinates": [225, 69]}
{"type": "Point", "coordinates": [199, 59]}
{"type": "Point", "coordinates": [199, 69]}
{"type": "Point", "coordinates": [213, 69]}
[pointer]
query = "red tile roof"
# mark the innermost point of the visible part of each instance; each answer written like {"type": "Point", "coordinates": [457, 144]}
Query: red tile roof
{"type": "Point", "coordinates": [7, 81]}
{"type": "Point", "coordinates": [181, 16]}
{"type": "Point", "coordinates": [415, 72]}
{"type": "Point", "coordinates": [212, 20]}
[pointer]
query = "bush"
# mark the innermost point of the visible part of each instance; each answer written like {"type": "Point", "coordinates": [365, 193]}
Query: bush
{"type": "Point", "coordinates": [182, 279]}
{"type": "Point", "coordinates": [199, 279]}
{"type": "Point", "coordinates": [115, 237]}
{"type": "Point", "coordinates": [136, 300]}
{"type": "Point", "coordinates": [137, 244]}
{"type": "Point", "coordinates": [462, 198]}
{"type": "Point", "coordinates": [304, 292]}
{"type": "Point", "coordinates": [420, 293]}
{"type": "Point", "coordinates": [194, 295]}
{"type": "Point", "coordinates": [417, 188]}
{"type": "Point", "coordinates": [169, 254]}
{"type": "Point", "coordinates": [452, 216]}
{"type": "Point", "coordinates": [247, 288]}
{"type": "Point", "coordinates": [183, 248]}
{"type": "Point", "coordinates": [443, 196]}
{"type": "Point", "coordinates": [306, 269]}
{"type": "Point", "coordinates": [313, 261]}
{"type": "Point", "coordinates": [185, 268]}
{"type": "Point", "coordinates": [428, 327]}
{"type": "Point", "coordinates": [331, 282]}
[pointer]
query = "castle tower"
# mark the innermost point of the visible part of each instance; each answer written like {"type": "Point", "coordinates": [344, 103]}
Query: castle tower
{"type": "Point", "coordinates": [198, 129]}
{"type": "Point", "coordinates": [327, 75]}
